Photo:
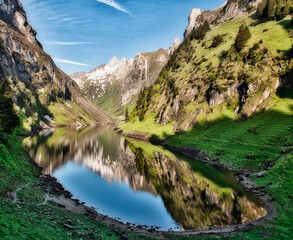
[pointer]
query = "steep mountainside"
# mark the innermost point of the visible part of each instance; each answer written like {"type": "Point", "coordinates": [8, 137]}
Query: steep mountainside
{"type": "Point", "coordinates": [229, 10]}
{"type": "Point", "coordinates": [207, 78]}
{"type": "Point", "coordinates": [32, 74]}
{"type": "Point", "coordinates": [119, 82]}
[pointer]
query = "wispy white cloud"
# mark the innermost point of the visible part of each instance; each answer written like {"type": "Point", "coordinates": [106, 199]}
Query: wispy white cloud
{"type": "Point", "coordinates": [68, 43]}
{"type": "Point", "coordinates": [116, 5]}
{"type": "Point", "coordinates": [59, 60]}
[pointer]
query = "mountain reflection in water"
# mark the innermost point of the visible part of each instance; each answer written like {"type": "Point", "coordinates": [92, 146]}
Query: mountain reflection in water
{"type": "Point", "coordinates": [141, 183]}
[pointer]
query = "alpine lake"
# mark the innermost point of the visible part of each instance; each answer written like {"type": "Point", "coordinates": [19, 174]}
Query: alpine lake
{"type": "Point", "coordinates": [141, 184]}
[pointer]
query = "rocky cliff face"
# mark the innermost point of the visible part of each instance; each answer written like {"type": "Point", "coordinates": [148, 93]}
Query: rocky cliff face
{"type": "Point", "coordinates": [35, 79]}
{"type": "Point", "coordinates": [12, 12]}
{"type": "Point", "coordinates": [229, 10]}
{"type": "Point", "coordinates": [123, 80]}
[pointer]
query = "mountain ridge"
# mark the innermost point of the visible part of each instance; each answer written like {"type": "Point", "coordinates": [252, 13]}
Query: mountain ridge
{"type": "Point", "coordinates": [203, 80]}
{"type": "Point", "coordinates": [127, 78]}
{"type": "Point", "coordinates": [35, 79]}
{"type": "Point", "coordinates": [229, 10]}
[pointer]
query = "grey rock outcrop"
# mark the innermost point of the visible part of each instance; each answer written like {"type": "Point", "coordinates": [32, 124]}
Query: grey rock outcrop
{"type": "Point", "coordinates": [230, 9]}
{"type": "Point", "coordinates": [174, 47]}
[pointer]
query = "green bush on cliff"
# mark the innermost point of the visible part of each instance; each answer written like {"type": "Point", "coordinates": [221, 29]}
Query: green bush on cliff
{"type": "Point", "coordinates": [200, 32]}
{"type": "Point", "coordinates": [8, 118]}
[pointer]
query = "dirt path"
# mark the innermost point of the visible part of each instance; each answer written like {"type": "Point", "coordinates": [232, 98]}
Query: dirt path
{"type": "Point", "coordinates": [14, 194]}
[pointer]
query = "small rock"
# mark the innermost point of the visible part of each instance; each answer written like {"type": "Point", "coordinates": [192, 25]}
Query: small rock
{"type": "Point", "coordinates": [68, 227]}
{"type": "Point", "coordinates": [261, 174]}
{"type": "Point", "coordinates": [250, 156]}
{"type": "Point", "coordinates": [286, 151]}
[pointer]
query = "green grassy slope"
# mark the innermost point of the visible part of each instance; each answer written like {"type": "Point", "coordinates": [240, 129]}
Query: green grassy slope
{"type": "Point", "coordinates": [199, 76]}
{"type": "Point", "coordinates": [254, 141]}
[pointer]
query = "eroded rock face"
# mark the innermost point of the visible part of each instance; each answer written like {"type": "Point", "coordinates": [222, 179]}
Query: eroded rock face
{"type": "Point", "coordinates": [34, 77]}
{"type": "Point", "coordinates": [12, 12]}
{"type": "Point", "coordinates": [230, 9]}
{"type": "Point", "coordinates": [174, 47]}
{"type": "Point", "coordinates": [128, 77]}
{"type": "Point", "coordinates": [192, 21]}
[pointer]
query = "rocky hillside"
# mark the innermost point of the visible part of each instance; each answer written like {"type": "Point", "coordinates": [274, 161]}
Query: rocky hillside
{"type": "Point", "coordinates": [209, 78]}
{"type": "Point", "coordinates": [230, 10]}
{"type": "Point", "coordinates": [118, 83]}
{"type": "Point", "coordinates": [32, 74]}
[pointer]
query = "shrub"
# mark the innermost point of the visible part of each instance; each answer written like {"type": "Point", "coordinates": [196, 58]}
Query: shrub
{"type": "Point", "coordinates": [126, 115]}
{"type": "Point", "coordinates": [242, 37]}
{"type": "Point", "coordinates": [8, 118]}
{"type": "Point", "coordinates": [217, 40]}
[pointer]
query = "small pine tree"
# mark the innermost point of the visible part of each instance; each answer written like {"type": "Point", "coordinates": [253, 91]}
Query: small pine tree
{"type": "Point", "coordinates": [217, 40]}
{"type": "Point", "coordinates": [262, 8]}
{"type": "Point", "coordinates": [272, 10]}
{"type": "Point", "coordinates": [242, 37]}
{"type": "Point", "coordinates": [286, 10]}
{"type": "Point", "coordinates": [278, 12]}
{"type": "Point", "coordinates": [141, 115]}
{"type": "Point", "coordinates": [126, 115]}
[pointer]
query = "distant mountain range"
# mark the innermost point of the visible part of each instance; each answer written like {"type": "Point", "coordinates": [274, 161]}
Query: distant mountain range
{"type": "Point", "coordinates": [116, 84]}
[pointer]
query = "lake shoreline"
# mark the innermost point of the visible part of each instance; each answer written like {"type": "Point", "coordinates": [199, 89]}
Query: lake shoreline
{"type": "Point", "coordinates": [63, 198]}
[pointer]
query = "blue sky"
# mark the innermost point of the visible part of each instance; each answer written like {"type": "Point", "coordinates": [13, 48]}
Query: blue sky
{"type": "Point", "coordinates": [83, 34]}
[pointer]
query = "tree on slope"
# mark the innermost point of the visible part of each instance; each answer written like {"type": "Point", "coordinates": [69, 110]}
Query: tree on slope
{"type": "Point", "coordinates": [242, 37]}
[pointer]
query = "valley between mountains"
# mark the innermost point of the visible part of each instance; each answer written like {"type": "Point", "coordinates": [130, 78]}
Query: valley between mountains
{"type": "Point", "coordinates": [190, 142]}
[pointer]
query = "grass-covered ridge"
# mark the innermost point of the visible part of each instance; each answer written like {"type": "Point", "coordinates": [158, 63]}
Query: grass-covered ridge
{"type": "Point", "coordinates": [202, 72]}
{"type": "Point", "coordinates": [255, 141]}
